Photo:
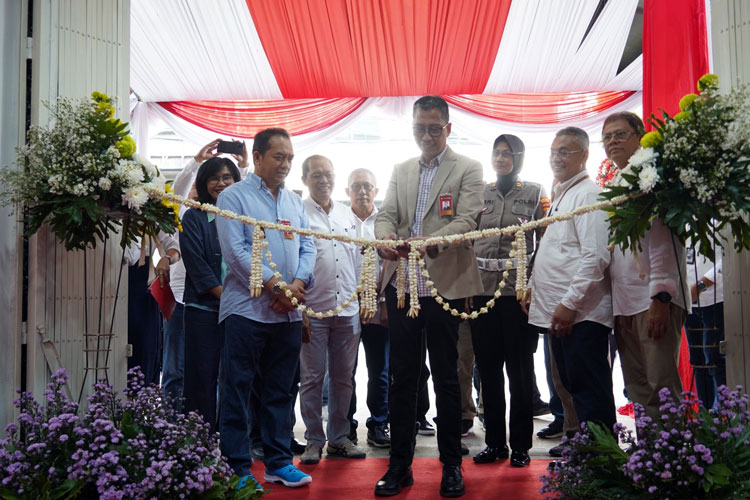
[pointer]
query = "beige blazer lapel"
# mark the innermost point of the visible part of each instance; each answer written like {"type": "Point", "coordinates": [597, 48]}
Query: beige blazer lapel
{"type": "Point", "coordinates": [412, 189]}
{"type": "Point", "coordinates": [446, 167]}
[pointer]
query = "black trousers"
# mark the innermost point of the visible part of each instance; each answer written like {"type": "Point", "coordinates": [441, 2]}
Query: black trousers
{"type": "Point", "coordinates": [502, 338]}
{"type": "Point", "coordinates": [582, 360]}
{"type": "Point", "coordinates": [407, 358]}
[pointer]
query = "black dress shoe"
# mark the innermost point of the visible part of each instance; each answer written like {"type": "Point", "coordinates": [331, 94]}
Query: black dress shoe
{"type": "Point", "coordinates": [519, 459]}
{"type": "Point", "coordinates": [394, 479]}
{"type": "Point", "coordinates": [452, 484]}
{"type": "Point", "coordinates": [490, 454]}
{"type": "Point", "coordinates": [297, 447]}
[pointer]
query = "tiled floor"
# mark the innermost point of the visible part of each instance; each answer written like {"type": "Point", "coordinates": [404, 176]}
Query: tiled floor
{"type": "Point", "coordinates": [427, 445]}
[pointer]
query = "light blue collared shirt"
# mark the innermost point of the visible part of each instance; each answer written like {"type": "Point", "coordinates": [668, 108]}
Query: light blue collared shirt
{"type": "Point", "coordinates": [294, 257]}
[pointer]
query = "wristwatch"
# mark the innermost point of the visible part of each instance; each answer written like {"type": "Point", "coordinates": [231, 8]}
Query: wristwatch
{"type": "Point", "coordinates": [276, 288]}
{"type": "Point", "coordinates": [701, 285]}
{"type": "Point", "coordinates": [663, 297]}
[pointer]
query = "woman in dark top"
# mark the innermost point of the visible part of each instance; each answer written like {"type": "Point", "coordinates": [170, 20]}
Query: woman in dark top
{"type": "Point", "coordinates": [204, 268]}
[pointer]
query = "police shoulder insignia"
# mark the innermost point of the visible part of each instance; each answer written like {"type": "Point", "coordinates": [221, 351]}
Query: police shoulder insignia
{"type": "Point", "coordinates": [518, 184]}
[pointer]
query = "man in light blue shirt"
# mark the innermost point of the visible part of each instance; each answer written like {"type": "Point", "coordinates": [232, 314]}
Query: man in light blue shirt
{"type": "Point", "coordinates": [263, 334]}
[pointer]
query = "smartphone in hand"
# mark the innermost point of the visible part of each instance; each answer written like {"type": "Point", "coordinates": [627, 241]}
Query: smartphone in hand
{"type": "Point", "coordinates": [230, 147]}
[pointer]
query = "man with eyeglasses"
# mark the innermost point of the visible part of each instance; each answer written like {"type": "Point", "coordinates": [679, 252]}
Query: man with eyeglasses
{"type": "Point", "coordinates": [648, 291]}
{"type": "Point", "coordinates": [571, 295]}
{"type": "Point", "coordinates": [437, 194]}
{"type": "Point", "coordinates": [335, 338]}
{"type": "Point", "coordinates": [362, 190]}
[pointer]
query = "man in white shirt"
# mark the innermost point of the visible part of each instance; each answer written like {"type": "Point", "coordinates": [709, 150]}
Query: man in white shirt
{"type": "Point", "coordinates": [362, 189]}
{"type": "Point", "coordinates": [337, 337]}
{"type": "Point", "coordinates": [649, 290]}
{"type": "Point", "coordinates": [571, 296]}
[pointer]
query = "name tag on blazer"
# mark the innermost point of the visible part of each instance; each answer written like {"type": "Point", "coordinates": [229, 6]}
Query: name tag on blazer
{"type": "Point", "coordinates": [446, 204]}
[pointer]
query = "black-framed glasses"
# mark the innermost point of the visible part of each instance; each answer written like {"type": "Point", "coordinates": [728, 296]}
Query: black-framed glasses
{"type": "Point", "coordinates": [226, 179]}
{"type": "Point", "coordinates": [356, 186]}
{"type": "Point", "coordinates": [562, 153]}
{"type": "Point", "coordinates": [433, 130]}
{"type": "Point", "coordinates": [507, 154]}
{"type": "Point", "coordinates": [620, 135]}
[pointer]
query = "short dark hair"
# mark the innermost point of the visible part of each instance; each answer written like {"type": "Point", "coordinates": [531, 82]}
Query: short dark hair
{"type": "Point", "coordinates": [632, 119]}
{"type": "Point", "coordinates": [209, 168]}
{"type": "Point", "coordinates": [578, 133]}
{"type": "Point", "coordinates": [306, 163]}
{"type": "Point", "coordinates": [430, 102]}
{"type": "Point", "coordinates": [263, 138]}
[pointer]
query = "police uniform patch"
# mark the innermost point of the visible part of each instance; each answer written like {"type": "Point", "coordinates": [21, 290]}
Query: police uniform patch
{"type": "Point", "coordinates": [546, 204]}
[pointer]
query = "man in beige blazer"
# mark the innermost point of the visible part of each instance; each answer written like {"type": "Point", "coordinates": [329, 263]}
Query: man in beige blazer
{"type": "Point", "coordinates": [436, 194]}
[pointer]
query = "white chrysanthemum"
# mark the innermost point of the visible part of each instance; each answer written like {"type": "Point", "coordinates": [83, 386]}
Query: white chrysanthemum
{"type": "Point", "coordinates": [147, 165]}
{"type": "Point", "coordinates": [105, 183]}
{"type": "Point", "coordinates": [647, 179]}
{"type": "Point", "coordinates": [158, 182]}
{"type": "Point", "coordinates": [133, 176]}
{"type": "Point", "coordinates": [135, 197]}
{"type": "Point", "coordinates": [642, 157]}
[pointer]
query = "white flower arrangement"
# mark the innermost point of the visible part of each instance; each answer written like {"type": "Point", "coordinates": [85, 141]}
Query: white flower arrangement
{"type": "Point", "coordinates": [81, 175]}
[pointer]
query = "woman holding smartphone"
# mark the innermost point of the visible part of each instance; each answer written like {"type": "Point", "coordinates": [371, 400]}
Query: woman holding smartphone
{"type": "Point", "coordinates": [205, 270]}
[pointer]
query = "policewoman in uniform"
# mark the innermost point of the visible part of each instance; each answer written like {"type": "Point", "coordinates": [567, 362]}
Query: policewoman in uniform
{"type": "Point", "coordinates": [501, 337]}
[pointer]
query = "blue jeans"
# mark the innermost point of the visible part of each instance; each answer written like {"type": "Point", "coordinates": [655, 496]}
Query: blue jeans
{"type": "Point", "coordinates": [269, 351]}
{"type": "Point", "coordinates": [704, 329]}
{"type": "Point", "coordinates": [375, 340]}
{"type": "Point", "coordinates": [173, 357]}
{"type": "Point", "coordinates": [204, 339]}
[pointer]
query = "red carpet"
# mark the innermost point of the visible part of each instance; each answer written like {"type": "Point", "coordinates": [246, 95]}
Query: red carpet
{"type": "Point", "coordinates": [335, 479]}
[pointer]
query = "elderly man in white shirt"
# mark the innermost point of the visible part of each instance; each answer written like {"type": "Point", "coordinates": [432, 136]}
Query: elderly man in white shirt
{"type": "Point", "coordinates": [362, 190]}
{"type": "Point", "coordinates": [335, 338]}
{"type": "Point", "coordinates": [571, 296]}
{"type": "Point", "coordinates": [649, 290]}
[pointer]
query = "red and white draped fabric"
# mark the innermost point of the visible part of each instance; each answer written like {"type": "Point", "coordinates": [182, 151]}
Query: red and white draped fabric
{"type": "Point", "coordinates": [232, 67]}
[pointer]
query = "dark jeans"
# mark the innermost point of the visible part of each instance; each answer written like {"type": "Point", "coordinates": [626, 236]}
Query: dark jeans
{"type": "Point", "coordinates": [423, 396]}
{"type": "Point", "coordinates": [375, 340]}
{"type": "Point", "coordinates": [204, 339]}
{"type": "Point", "coordinates": [502, 338]}
{"type": "Point", "coordinates": [173, 358]}
{"type": "Point", "coordinates": [582, 359]}
{"type": "Point", "coordinates": [269, 351]}
{"type": "Point", "coordinates": [704, 329]}
{"type": "Point", "coordinates": [144, 325]}
{"type": "Point", "coordinates": [437, 329]}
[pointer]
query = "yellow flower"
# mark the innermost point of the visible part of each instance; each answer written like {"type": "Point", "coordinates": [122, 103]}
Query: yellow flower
{"type": "Point", "coordinates": [683, 116]}
{"type": "Point", "coordinates": [106, 108]}
{"type": "Point", "coordinates": [687, 100]}
{"type": "Point", "coordinates": [707, 81]}
{"type": "Point", "coordinates": [126, 146]}
{"type": "Point", "coordinates": [651, 139]}
{"type": "Point", "coordinates": [100, 97]}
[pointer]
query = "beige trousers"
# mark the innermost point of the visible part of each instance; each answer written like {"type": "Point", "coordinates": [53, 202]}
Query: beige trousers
{"type": "Point", "coordinates": [649, 365]}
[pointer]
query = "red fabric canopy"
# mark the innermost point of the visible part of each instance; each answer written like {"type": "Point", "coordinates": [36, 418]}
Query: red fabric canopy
{"type": "Point", "coordinates": [244, 118]}
{"type": "Point", "coordinates": [675, 53]}
{"type": "Point", "coordinates": [539, 108]}
{"type": "Point", "coordinates": [344, 48]}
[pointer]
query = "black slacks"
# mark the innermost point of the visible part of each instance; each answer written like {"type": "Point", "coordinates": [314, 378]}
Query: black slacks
{"type": "Point", "coordinates": [407, 358]}
{"type": "Point", "coordinates": [502, 338]}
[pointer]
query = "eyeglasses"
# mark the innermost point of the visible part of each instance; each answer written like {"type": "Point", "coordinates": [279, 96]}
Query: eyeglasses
{"type": "Point", "coordinates": [319, 175]}
{"type": "Point", "coordinates": [562, 153]}
{"type": "Point", "coordinates": [620, 135]}
{"type": "Point", "coordinates": [226, 179]}
{"type": "Point", "coordinates": [366, 186]}
{"type": "Point", "coordinates": [505, 154]}
{"type": "Point", "coordinates": [433, 130]}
